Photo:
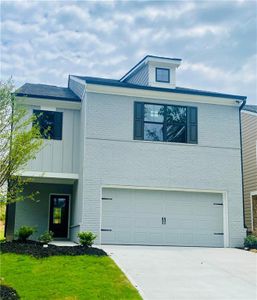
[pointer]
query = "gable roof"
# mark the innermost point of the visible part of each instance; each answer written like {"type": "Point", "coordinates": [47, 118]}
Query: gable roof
{"type": "Point", "coordinates": [47, 92]}
{"type": "Point", "coordinates": [179, 90]}
{"type": "Point", "coordinates": [250, 108]}
{"type": "Point", "coordinates": [146, 58]}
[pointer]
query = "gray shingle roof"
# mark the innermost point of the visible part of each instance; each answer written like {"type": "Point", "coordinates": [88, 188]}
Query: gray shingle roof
{"type": "Point", "coordinates": [47, 92]}
{"type": "Point", "coordinates": [180, 90]}
{"type": "Point", "coordinates": [251, 108]}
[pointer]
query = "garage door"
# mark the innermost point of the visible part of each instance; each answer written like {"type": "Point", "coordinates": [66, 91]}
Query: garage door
{"type": "Point", "coordinates": [161, 218]}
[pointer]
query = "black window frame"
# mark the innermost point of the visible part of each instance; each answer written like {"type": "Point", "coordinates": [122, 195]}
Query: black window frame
{"type": "Point", "coordinates": [164, 81]}
{"type": "Point", "coordinates": [57, 126]}
{"type": "Point", "coordinates": [191, 123]}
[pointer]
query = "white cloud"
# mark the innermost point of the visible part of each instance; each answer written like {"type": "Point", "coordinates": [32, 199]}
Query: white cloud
{"type": "Point", "coordinates": [44, 41]}
{"type": "Point", "coordinates": [225, 80]}
{"type": "Point", "coordinates": [201, 30]}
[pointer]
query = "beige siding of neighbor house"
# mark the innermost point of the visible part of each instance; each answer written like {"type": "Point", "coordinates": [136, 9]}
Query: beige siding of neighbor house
{"type": "Point", "coordinates": [249, 139]}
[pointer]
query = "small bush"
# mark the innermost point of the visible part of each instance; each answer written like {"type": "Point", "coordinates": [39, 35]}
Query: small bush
{"type": "Point", "coordinates": [46, 237]}
{"type": "Point", "coordinates": [86, 238]}
{"type": "Point", "coordinates": [25, 232]}
{"type": "Point", "coordinates": [251, 242]}
{"type": "Point", "coordinates": [8, 293]}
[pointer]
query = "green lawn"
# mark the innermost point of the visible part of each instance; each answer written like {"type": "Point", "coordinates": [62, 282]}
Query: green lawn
{"type": "Point", "coordinates": [66, 277]}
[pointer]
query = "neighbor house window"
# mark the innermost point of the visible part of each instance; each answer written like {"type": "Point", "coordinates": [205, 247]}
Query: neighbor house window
{"type": "Point", "coordinates": [50, 124]}
{"type": "Point", "coordinates": [166, 123]}
{"type": "Point", "coordinates": [162, 75]}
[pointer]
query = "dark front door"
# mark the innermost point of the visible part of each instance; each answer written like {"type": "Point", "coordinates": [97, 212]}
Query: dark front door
{"type": "Point", "coordinates": [59, 215]}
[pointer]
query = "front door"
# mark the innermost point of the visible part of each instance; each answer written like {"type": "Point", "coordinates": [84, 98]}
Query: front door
{"type": "Point", "coordinates": [59, 215]}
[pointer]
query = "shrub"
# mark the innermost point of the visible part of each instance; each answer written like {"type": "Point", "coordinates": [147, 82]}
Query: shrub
{"type": "Point", "coordinates": [25, 232]}
{"type": "Point", "coordinates": [251, 242]}
{"type": "Point", "coordinates": [46, 237]}
{"type": "Point", "coordinates": [86, 238]}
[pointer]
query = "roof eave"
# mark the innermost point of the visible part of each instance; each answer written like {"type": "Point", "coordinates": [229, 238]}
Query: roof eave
{"type": "Point", "coordinates": [200, 93]}
{"type": "Point", "coordinates": [47, 97]}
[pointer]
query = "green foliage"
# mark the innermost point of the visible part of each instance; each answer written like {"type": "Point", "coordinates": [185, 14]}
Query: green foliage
{"type": "Point", "coordinates": [25, 232]}
{"type": "Point", "coordinates": [86, 238]}
{"type": "Point", "coordinates": [2, 211]}
{"type": "Point", "coordinates": [19, 143]}
{"type": "Point", "coordinates": [46, 237]}
{"type": "Point", "coordinates": [66, 277]}
{"type": "Point", "coordinates": [251, 242]}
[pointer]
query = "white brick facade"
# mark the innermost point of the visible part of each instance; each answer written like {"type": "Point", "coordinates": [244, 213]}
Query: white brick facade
{"type": "Point", "coordinates": [113, 158]}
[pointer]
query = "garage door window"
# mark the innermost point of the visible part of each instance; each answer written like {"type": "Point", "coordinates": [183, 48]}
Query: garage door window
{"type": "Point", "coordinates": [167, 123]}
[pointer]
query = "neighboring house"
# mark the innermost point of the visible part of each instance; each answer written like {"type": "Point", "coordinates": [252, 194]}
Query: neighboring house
{"type": "Point", "coordinates": [136, 161]}
{"type": "Point", "coordinates": [249, 143]}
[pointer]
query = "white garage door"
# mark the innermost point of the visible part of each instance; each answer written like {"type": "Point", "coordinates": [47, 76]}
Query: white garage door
{"type": "Point", "coordinates": [161, 218]}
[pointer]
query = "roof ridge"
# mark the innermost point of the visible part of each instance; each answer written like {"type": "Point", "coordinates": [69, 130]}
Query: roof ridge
{"type": "Point", "coordinates": [45, 84]}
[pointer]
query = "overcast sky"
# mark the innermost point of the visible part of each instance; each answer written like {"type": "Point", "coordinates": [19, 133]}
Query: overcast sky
{"type": "Point", "coordinates": [44, 41]}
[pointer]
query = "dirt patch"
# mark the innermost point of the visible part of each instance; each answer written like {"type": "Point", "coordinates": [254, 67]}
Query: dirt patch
{"type": "Point", "coordinates": [253, 250]}
{"type": "Point", "coordinates": [8, 293]}
{"type": "Point", "coordinates": [37, 250]}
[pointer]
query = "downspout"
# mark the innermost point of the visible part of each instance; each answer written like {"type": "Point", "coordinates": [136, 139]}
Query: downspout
{"type": "Point", "coordinates": [242, 165]}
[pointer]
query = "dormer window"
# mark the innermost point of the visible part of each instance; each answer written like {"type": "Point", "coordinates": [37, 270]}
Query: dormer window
{"type": "Point", "coordinates": [162, 75]}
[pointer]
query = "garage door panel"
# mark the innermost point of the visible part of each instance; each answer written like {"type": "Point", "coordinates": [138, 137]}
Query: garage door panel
{"type": "Point", "coordinates": [140, 237]}
{"type": "Point", "coordinates": [177, 238]}
{"type": "Point", "coordinates": [124, 236]}
{"type": "Point", "coordinates": [181, 223]}
{"type": "Point", "coordinates": [212, 225]}
{"type": "Point", "coordinates": [124, 222]}
{"type": "Point", "coordinates": [148, 222]}
{"type": "Point", "coordinates": [136, 217]}
{"type": "Point", "coordinates": [155, 238]}
{"type": "Point", "coordinates": [146, 205]}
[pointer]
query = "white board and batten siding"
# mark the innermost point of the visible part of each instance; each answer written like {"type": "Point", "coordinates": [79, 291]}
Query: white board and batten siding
{"type": "Point", "coordinates": [141, 77]}
{"type": "Point", "coordinates": [148, 217]}
{"type": "Point", "coordinates": [60, 156]}
{"type": "Point", "coordinates": [77, 87]}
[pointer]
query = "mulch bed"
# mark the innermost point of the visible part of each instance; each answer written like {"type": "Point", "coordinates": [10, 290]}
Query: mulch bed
{"type": "Point", "coordinates": [8, 293]}
{"type": "Point", "coordinates": [37, 250]}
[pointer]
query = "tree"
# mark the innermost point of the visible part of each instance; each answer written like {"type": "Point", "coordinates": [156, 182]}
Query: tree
{"type": "Point", "coordinates": [19, 143]}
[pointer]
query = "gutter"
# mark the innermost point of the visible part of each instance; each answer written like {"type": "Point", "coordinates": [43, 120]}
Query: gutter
{"type": "Point", "coordinates": [242, 165]}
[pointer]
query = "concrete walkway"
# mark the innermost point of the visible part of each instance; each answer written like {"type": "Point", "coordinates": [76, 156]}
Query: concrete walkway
{"type": "Point", "coordinates": [63, 243]}
{"type": "Point", "coordinates": [168, 273]}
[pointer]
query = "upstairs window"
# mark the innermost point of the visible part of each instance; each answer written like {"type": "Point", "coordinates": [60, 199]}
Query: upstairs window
{"type": "Point", "coordinates": [166, 123]}
{"type": "Point", "coordinates": [162, 75]}
{"type": "Point", "coordinates": [50, 124]}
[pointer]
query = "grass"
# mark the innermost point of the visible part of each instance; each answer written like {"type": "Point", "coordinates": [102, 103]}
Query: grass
{"type": "Point", "coordinates": [65, 277]}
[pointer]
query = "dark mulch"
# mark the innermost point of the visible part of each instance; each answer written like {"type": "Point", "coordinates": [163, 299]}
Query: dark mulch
{"type": "Point", "coordinates": [8, 293]}
{"type": "Point", "coordinates": [37, 250]}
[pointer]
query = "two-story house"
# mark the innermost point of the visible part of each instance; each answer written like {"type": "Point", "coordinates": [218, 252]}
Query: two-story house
{"type": "Point", "coordinates": [137, 160]}
{"type": "Point", "coordinates": [249, 138]}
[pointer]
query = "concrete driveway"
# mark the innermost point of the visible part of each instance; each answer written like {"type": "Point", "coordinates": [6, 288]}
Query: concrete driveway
{"type": "Point", "coordinates": [188, 273]}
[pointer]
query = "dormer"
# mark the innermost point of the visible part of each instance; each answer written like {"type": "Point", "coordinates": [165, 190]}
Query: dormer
{"type": "Point", "coordinates": [154, 71]}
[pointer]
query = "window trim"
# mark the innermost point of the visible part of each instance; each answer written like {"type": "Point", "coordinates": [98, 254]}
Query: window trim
{"type": "Point", "coordinates": [164, 81]}
{"type": "Point", "coordinates": [164, 123]}
{"type": "Point", "coordinates": [58, 138]}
